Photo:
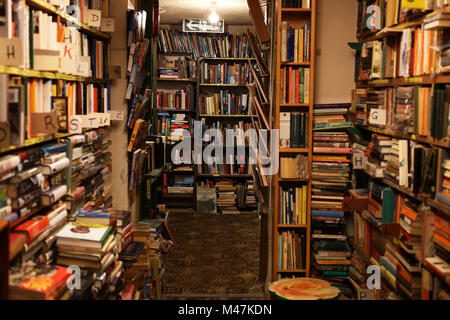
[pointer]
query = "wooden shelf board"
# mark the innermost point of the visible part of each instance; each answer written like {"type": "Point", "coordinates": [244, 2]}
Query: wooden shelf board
{"type": "Point", "coordinates": [223, 58]}
{"type": "Point", "coordinates": [294, 104]}
{"type": "Point", "coordinates": [291, 271]}
{"type": "Point", "coordinates": [294, 150]}
{"type": "Point", "coordinates": [228, 116]}
{"type": "Point", "coordinates": [235, 176]}
{"type": "Point", "coordinates": [176, 110]}
{"type": "Point", "coordinates": [176, 80]}
{"type": "Point", "coordinates": [293, 180]}
{"type": "Point", "coordinates": [283, 10]}
{"type": "Point", "coordinates": [223, 85]}
{"type": "Point", "coordinates": [296, 64]}
{"type": "Point", "coordinates": [48, 75]}
{"type": "Point", "coordinates": [48, 8]}
{"type": "Point", "coordinates": [444, 143]}
{"type": "Point", "coordinates": [292, 226]}
{"type": "Point", "coordinates": [442, 209]}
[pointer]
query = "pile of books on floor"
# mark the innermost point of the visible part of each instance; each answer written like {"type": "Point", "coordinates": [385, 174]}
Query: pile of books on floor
{"type": "Point", "coordinates": [331, 169]}
{"type": "Point", "coordinates": [226, 197]}
{"type": "Point", "coordinates": [144, 256]}
{"type": "Point", "coordinates": [90, 242]}
{"type": "Point", "coordinates": [330, 250]}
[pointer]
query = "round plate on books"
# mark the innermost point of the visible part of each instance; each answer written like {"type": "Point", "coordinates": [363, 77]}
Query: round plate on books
{"type": "Point", "coordinates": [304, 289]}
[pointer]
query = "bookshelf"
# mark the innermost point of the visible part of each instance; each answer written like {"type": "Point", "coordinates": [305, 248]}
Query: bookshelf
{"type": "Point", "coordinates": [410, 68]}
{"type": "Point", "coordinates": [296, 18]}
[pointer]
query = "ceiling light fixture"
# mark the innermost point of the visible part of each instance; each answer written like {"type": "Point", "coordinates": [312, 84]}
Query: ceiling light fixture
{"type": "Point", "coordinates": [213, 17]}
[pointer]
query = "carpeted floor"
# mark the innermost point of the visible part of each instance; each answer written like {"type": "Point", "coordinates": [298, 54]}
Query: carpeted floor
{"type": "Point", "coordinates": [213, 254]}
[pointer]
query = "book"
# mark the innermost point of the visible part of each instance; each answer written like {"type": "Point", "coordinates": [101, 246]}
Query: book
{"type": "Point", "coordinates": [37, 281]}
{"type": "Point", "coordinates": [92, 236]}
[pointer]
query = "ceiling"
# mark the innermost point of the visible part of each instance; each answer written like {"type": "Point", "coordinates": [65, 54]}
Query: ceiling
{"type": "Point", "coordinates": [232, 11]}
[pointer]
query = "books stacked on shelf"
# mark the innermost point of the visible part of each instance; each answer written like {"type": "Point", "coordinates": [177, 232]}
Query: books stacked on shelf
{"type": "Point", "coordinates": [178, 184]}
{"type": "Point", "coordinates": [46, 42]}
{"type": "Point", "coordinates": [443, 178]}
{"type": "Point", "coordinates": [435, 275]}
{"type": "Point", "coordinates": [331, 175]}
{"type": "Point", "coordinates": [176, 68]}
{"type": "Point", "coordinates": [83, 8]}
{"type": "Point", "coordinates": [184, 99]}
{"type": "Point", "coordinates": [292, 207]}
{"type": "Point", "coordinates": [292, 253]}
{"type": "Point", "coordinates": [330, 116]}
{"type": "Point", "coordinates": [367, 99]}
{"type": "Point", "coordinates": [207, 46]}
{"type": "Point", "coordinates": [357, 271]}
{"type": "Point", "coordinates": [294, 168]}
{"type": "Point", "coordinates": [225, 73]}
{"type": "Point", "coordinates": [295, 43]}
{"type": "Point", "coordinates": [391, 13]}
{"type": "Point", "coordinates": [224, 102]}
{"type": "Point", "coordinates": [175, 126]}
{"type": "Point", "coordinates": [216, 166]}
{"type": "Point", "coordinates": [305, 4]}
{"type": "Point", "coordinates": [331, 142]}
{"type": "Point", "coordinates": [91, 171]}
{"type": "Point", "coordinates": [294, 85]}
{"type": "Point", "coordinates": [226, 197]}
{"type": "Point", "coordinates": [294, 129]}
{"type": "Point", "coordinates": [246, 197]}
{"type": "Point", "coordinates": [138, 47]}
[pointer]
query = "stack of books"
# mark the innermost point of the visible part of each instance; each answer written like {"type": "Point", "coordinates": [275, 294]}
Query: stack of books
{"type": "Point", "coordinates": [90, 242]}
{"type": "Point", "coordinates": [439, 263]}
{"type": "Point", "coordinates": [245, 194]}
{"type": "Point", "coordinates": [177, 68]}
{"type": "Point", "coordinates": [443, 177]}
{"type": "Point", "coordinates": [226, 197]}
{"type": "Point", "coordinates": [329, 116]}
{"type": "Point", "coordinates": [175, 126]}
{"type": "Point", "coordinates": [331, 176]}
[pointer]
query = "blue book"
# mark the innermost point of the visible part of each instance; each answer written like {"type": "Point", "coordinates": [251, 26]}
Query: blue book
{"type": "Point", "coordinates": [326, 213]}
{"type": "Point", "coordinates": [290, 44]}
{"type": "Point", "coordinates": [388, 265]}
{"type": "Point", "coordinates": [54, 148]}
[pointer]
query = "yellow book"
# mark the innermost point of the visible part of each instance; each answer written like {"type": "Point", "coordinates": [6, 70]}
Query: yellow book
{"type": "Point", "coordinates": [32, 94]}
{"type": "Point", "coordinates": [134, 134]}
{"type": "Point", "coordinates": [300, 45]}
{"type": "Point", "coordinates": [304, 204]}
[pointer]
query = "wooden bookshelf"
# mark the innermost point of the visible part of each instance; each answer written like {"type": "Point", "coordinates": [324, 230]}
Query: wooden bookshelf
{"type": "Point", "coordinates": [295, 18]}
{"type": "Point", "coordinates": [430, 80]}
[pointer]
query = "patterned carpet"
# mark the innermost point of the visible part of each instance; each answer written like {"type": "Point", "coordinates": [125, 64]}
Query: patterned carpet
{"type": "Point", "coordinates": [213, 254]}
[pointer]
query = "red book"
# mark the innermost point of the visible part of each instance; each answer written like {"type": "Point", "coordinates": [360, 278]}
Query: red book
{"type": "Point", "coordinates": [45, 282]}
{"type": "Point", "coordinates": [128, 292]}
{"type": "Point", "coordinates": [95, 99]}
{"type": "Point", "coordinates": [289, 100]}
{"type": "Point", "coordinates": [33, 228]}
{"type": "Point", "coordinates": [297, 86]}
{"type": "Point", "coordinates": [16, 243]}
